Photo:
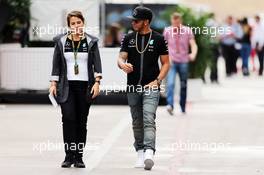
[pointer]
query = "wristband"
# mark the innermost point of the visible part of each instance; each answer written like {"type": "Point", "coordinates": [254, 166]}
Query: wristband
{"type": "Point", "coordinates": [97, 81]}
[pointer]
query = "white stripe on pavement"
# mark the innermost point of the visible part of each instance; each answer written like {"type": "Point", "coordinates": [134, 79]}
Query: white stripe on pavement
{"type": "Point", "coordinates": [106, 145]}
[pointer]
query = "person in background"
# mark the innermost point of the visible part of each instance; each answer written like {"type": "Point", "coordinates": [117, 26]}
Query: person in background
{"type": "Point", "coordinates": [24, 34]}
{"type": "Point", "coordinates": [233, 32]}
{"type": "Point", "coordinates": [113, 36]}
{"type": "Point", "coordinates": [214, 40]}
{"type": "Point", "coordinates": [246, 45]}
{"type": "Point", "coordinates": [75, 79]}
{"type": "Point", "coordinates": [179, 38]}
{"type": "Point", "coordinates": [258, 41]}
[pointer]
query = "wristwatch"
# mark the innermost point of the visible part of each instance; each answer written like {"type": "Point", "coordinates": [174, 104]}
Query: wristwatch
{"type": "Point", "coordinates": [159, 81]}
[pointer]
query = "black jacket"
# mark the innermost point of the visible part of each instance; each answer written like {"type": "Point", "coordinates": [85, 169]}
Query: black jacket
{"type": "Point", "coordinates": [59, 66]}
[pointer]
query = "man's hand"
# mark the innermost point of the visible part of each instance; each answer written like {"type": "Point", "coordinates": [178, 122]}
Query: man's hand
{"type": "Point", "coordinates": [231, 35]}
{"type": "Point", "coordinates": [194, 50]}
{"type": "Point", "coordinates": [192, 57]}
{"type": "Point", "coordinates": [126, 67]}
{"type": "Point", "coordinates": [153, 84]}
{"type": "Point", "coordinates": [258, 48]}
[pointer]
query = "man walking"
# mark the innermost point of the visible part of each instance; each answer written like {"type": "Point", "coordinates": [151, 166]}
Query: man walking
{"type": "Point", "coordinates": [258, 41]}
{"type": "Point", "coordinates": [179, 38]}
{"type": "Point", "coordinates": [232, 33]}
{"type": "Point", "coordinates": [139, 56]}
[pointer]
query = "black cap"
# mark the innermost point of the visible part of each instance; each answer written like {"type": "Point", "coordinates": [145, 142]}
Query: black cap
{"type": "Point", "coordinates": [141, 13]}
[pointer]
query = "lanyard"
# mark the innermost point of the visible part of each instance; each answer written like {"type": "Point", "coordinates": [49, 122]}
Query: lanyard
{"type": "Point", "coordinates": [75, 52]}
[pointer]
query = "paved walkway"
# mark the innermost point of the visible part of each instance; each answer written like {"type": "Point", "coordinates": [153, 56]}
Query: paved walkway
{"type": "Point", "coordinates": [221, 134]}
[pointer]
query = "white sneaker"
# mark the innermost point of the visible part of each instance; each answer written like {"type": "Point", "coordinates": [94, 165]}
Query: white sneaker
{"type": "Point", "coordinates": [140, 159]}
{"type": "Point", "coordinates": [169, 109]}
{"type": "Point", "coordinates": [149, 163]}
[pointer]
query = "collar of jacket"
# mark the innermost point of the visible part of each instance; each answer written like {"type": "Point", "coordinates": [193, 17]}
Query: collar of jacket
{"type": "Point", "coordinates": [91, 40]}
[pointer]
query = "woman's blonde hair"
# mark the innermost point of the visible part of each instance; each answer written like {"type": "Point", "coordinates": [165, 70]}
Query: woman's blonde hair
{"type": "Point", "coordinates": [74, 13]}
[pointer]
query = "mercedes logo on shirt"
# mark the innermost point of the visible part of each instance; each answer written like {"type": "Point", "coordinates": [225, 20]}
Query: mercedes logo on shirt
{"type": "Point", "coordinates": [67, 44]}
{"type": "Point", "coordinates": [132, 41]}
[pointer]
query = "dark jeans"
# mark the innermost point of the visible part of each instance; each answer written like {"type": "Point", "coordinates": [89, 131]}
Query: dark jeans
{"type": "Point", "coordinates": [230, 55]}
{"type": "Point", "coordinates": [182, 69]}
{"type": "Point", "coordinates": [261, 58]}
{"type": "Point", "coordinates": [143, 106]}
{"type": "Point", "coordinates": [74, 118]}
{"type": "Point", "coordinates": [215, 56]}
{"type": "Point", "coordinates": [245, 53]}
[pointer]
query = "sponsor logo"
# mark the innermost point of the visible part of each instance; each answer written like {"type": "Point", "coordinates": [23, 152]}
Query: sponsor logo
{"type": "Point", "coordinates": [132, 41]}
{"type": "Point", "coordinates": [67, 44]}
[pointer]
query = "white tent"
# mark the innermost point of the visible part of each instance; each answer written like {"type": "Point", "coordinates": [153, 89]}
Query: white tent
{"type": "Point", "coordinates": [49, 16]}
{"type": "Point", "coordinates": [143, 1]}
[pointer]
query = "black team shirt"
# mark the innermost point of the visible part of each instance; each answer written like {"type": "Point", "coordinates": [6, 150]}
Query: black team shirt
{"type": "Point", "coordinates": [146, 65]}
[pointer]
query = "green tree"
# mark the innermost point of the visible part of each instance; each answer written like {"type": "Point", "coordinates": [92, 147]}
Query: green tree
{"type": "Point", "coordinates": [18, 14]}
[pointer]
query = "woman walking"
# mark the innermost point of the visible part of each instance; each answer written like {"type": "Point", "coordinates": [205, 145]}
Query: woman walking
{"type": "Point", "coordinates": [246, 45]}
{"type": "Point", "coordinates": [75, 80]}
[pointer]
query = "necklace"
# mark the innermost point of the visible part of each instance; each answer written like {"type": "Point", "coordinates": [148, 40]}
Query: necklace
{"type": "Point", "coordinates": [146, 45]}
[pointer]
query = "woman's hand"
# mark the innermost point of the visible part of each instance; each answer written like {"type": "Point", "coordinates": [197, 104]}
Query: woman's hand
{"type": "Point", "coordinates": [95, 90]}
{"type": "Point", "coordinates": [53, 89]}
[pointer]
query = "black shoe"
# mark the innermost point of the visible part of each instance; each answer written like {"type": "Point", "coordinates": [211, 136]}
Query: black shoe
{"type": "Point", "coordinates": [79, 163]}
{"type": "Point", "coordinates": [183, 109]}
{"type": "Point", "coordinates": [214, 81]}
{"type": "Point", "coordinates": [245, 72]}
{"type": "Point", "coordinates": [67, 162]}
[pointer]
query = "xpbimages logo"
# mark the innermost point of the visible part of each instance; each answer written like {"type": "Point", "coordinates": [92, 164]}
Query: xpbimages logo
{"type": "Point", "coordinates": [205, 30]}
{"type": "Point", "coordinates": [40, 31]}
{"type": "Point", "coordinates": [50, 146]}
{"type": "Point", "coordinates": [122, 88]}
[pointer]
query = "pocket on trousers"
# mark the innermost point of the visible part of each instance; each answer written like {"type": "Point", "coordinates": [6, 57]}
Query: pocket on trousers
{"type": "Point", "coordinates": [89, 95]}
{"type": "Point", "coordinates": [152, 97]}
{"type": "Point", "coordinates": [133, 99]}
